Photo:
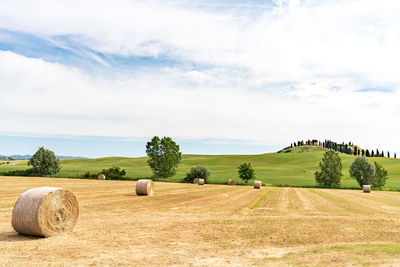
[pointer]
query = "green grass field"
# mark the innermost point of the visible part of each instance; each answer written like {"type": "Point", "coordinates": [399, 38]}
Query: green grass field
{"type": "Point", "coordinates": [293, 169]}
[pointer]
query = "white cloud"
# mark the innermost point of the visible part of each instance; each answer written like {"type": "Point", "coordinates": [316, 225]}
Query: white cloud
{"type": "Point", "coordinates": [43, 98]}
{"type": "Point", "coordinates": [275, 74]}
{"type": "Point", "coordinates": [288, 42]}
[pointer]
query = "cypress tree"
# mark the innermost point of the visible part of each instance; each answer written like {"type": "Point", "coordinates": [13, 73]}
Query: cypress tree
{"type": "Point", "coordinates": [383, 154]}
{"type": "Point", "coordinates": [377, 153]}
{"type": "Point", "coordinates": [388, 155]}
{"type": "Point", "coordinates": [367, 153]}
{"type": "Point", "coordinates": [372, 153]}
{"type": "Point", "coordinates": [355, 151]}
{"type": "Point", "coordinates": [394, 155]}
{"type": "Point", "coordinates": [362, 152]}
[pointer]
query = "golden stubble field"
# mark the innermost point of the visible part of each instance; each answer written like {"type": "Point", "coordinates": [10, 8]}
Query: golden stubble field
{"type": "Point", "coordinates": [210, 225]}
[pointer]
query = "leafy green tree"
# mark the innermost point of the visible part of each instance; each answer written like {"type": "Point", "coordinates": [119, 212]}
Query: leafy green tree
{"type": "Point", "coordinates": [363, 171]}
{"type": "Point", "coordinates": [198, 172]}
{"type": "Point", "coordinates": [164, 156]}
{"type": "Point", "coordinates": [331, 170]}
{"type": "Point", "coordinates": [44, 162]}
{"type": "Point", "coordinates": [246, 172]}
{"type": "Point", "coordinates": [381, 175]}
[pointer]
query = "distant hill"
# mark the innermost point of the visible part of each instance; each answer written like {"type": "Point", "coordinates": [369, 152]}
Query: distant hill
{"type": "Point", "coordinates": [293, 166]}
{"type": "Point", "coordinates": [24, 157]}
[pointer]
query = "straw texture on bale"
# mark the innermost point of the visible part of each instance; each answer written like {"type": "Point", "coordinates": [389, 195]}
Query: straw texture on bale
{"type": "Point", "coordinates": [45, 211]}
{"type": "Point", "coordinates": [231, 182]}
{"type": "Point", "coordinates": [366, 188]}
{"type": "Point", "coordinates": [257, 184]}
{"type": "Point", "coordinates": [144, 187]}
{"type": "Point", "coordinates": [101, 176]}
{"type": "Point", "coordinates": [196, 180]}
{"type": "Point", "coordinates": [201, 181]}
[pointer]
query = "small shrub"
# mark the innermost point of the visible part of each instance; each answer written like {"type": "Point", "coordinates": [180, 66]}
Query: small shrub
{"type": "Point", "coordinates": [113, 173]}
{"type": "Point", "coordinates": [198, 172]}
{"type": "Point", "coordinates": [89, 175]}
{"type": "Point", "coordinates": [27, 172]}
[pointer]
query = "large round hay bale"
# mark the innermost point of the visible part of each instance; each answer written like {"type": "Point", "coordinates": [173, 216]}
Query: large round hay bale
{"type": "Point", "coordinates": [144, 187]}
{"type": "Point", "coordinates": [45, 211]}
{"type": "Point", "coordinates": [366, 188]}
{"type": "Point", "coordinates": [101, 176]}
{"type": "Point", "coordinates": [201, 181]}
{"type": "Point", "coordinates": [196, 180]}
{"type": "Point", "coordinates": [257, 184]}
{"type": "Point", "coordinates": [231, 182]}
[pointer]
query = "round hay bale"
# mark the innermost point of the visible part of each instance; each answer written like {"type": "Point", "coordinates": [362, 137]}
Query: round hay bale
{"type": "Point", "coordinates": [257, 184]}
{"type": "Point", "coordinates": [231, 182]}
{"type": "Point", "coordinates": [196, 180]}
{"type": "Point", "coordinates": [45, 211]}
{"type": "Point", "coordinates": [201, 181]}
{"type": "Point", "coordinates": [144, 187]}
{"type": "Point", "coordinates": [101, 176]}
{"type": "Point", "coordinates": [366, 188]}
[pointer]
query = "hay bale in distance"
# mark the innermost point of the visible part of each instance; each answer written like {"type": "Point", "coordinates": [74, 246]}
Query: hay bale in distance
{"type": "Point", "coordinates": [257, 184]}
{"type": "Point", "coordinates": [231, 182]}
{"type": "Point", "coordinates": [45, 211]}
{"type": "Point", "coordinates": [144, 187]}
{"type": "Point", "coordinates": [196, 180]}
{"type": "Point", "coordinates": [101, 176]}
{"type": "Point", "coordinates": [201, 181]}
{"type": "Point", "coordinates": [366, 188]}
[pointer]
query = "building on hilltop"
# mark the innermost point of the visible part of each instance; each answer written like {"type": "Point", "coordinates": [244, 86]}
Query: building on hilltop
{"type": "Point", "coordinates": [312, 142]}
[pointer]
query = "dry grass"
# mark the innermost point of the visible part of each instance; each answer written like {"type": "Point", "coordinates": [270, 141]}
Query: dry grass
{"type": "Point", "coordinates": [239, 226]}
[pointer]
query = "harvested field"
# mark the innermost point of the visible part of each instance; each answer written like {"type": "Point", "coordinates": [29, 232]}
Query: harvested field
{"type": "Point", "coordinates": [234, 226]}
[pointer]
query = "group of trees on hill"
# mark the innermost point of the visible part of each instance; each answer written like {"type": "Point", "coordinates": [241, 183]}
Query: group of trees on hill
{"type": "Point", "coordinates": [348, 148]}
{"type": "Point", "coordinates": [363, 171]}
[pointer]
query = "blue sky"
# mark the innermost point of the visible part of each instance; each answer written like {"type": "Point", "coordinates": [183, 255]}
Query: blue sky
{"type": "Point", "coordinates": [93, 147]}
{"type": "Point", "coordinates": [219, 77]}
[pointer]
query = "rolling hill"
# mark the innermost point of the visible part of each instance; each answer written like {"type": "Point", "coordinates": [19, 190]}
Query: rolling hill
{"type": "Point", "coordinates": [291, 167]}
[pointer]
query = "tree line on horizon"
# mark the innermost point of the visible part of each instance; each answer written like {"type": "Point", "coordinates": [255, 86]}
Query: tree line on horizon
{"type": "Point", "coordinates": [346, 148]}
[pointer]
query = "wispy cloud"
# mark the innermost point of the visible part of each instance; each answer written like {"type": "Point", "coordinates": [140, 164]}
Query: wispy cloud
{"type": "Point", "coordinates": [262, 71]}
